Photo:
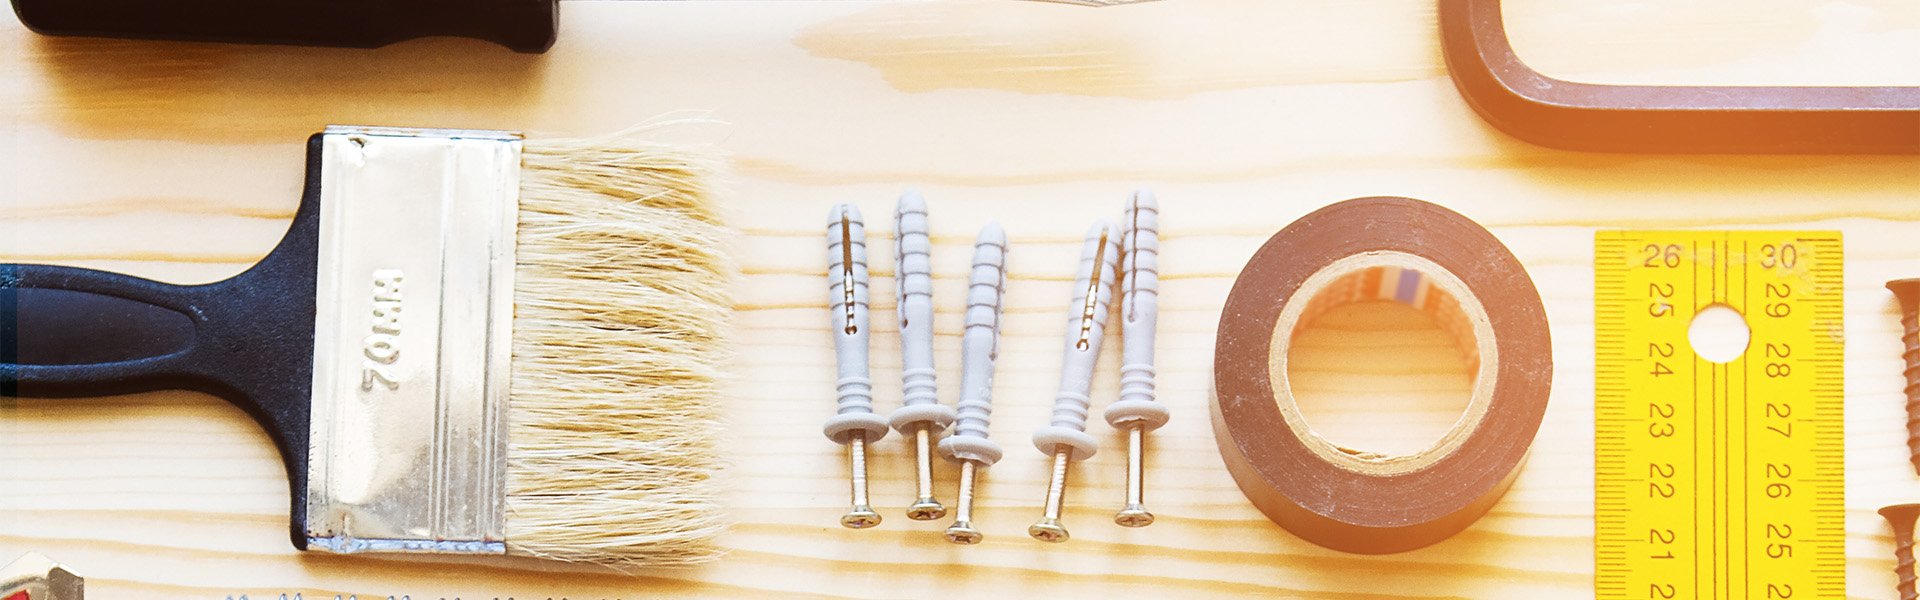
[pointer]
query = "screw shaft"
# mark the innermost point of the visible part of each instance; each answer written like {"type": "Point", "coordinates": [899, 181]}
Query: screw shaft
{"type": "Point", "coordinates": [1910, 323]}
{"type": "Point", "coordinates": [923, 461]}
{"type": "Point", "coordinates": [857, 451]}
{"type": "Point", "coordinates": [964, 513]}
{"type": "Point", "coordinates": [926, 508]}
{"type": "Point", "coordinates": [1049, 528]}
{"type": "Point", "coordinates": [1908, 292]}
{"type": "Point", "coordinates": [1135, 514]}
{"type": "Point", "coordinates": [1057, 488]}
{"type": "Point", "coordinates": [1902, 517]}
{"type": "Point", "coordinates": [1903, 566]}
{"type": "Point", "coordinates": [862, 515]}
{"type": "Point", "coordinates": [962, 531]}
{"type": "Point", "coordinates": [1136, 488]}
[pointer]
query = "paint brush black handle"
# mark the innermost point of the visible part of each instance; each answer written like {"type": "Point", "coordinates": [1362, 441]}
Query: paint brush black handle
{"type": "Point", "coordinates": [67, 332]}
{"type": "Point", "coordinates": [77, 333]}
{"type": "Point", "coordinates": [523, 25]}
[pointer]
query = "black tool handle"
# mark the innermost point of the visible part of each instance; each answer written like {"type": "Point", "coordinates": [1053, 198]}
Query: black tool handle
{"type": "Point", "coordinates": [523, 25]}
{"type": "Point", "coordinates": [67, 332]}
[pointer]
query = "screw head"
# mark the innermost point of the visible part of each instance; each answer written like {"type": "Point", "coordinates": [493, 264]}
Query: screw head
{"type": "Point", "coordinates": [1907, 290]}
{"type": "Point", "coordinates": [926, 509]}
{"type": "Point", "coordinates": [1048, 530]}
{"type": "Point", "coordinates": [963, 532]}
{"type": "Point", "coordinates": [861, 517]}
{"type": "Point", "coordinates": [1901, 513]}
{"type": "Point", "coordinates": [1134, 516]}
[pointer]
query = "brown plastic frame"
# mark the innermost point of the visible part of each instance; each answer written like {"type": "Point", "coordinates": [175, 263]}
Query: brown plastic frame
{"type": "Point", "coordinates": [1665, 119]}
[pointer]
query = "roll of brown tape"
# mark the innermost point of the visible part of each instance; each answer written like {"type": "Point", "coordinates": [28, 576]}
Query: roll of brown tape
{"type": "Point", "coordinates": [1396, 249]}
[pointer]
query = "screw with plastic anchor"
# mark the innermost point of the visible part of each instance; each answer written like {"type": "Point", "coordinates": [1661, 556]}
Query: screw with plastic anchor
{"type": "Point", "coordinates": [1065, 436]}
{"type": "Point", "coordinates": [1902, 517]}
{"type": "Point", "coordinates": [1908, 291]}
{"type": "Point", "coordinates": [853, 424]}
{"type": "Point", "coordinates": [1136, 412]}
{"type": "Point", "coordinates": [980, 347]}
{"type": "Point", "coordinates": [921, 414]}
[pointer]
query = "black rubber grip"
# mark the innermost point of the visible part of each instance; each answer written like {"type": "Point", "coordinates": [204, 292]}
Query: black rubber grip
{"type": "Point", "coordinates": [68, 333]}
{"type": "Point", "coordinates": [523, 25]}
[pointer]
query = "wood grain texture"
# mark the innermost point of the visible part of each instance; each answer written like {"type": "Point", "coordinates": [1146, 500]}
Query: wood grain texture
{"type": "Point", "coordinates": [181, 162]}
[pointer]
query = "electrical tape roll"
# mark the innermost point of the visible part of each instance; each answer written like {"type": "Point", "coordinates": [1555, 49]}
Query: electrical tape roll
{"type": "Point", "coordinates": [1381, 248]}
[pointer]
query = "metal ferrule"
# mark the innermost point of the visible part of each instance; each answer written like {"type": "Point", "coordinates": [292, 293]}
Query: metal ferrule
{"type": "Point", "coordinates": [35, 577]}
{"type": "Point", "coordinates": [413, 341]}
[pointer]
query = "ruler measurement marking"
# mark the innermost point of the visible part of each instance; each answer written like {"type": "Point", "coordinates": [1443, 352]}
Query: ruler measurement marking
{"type": "Point", "coordinates": [1748, 424]}
{"type": "Point", "coordinates": [1805, 503]}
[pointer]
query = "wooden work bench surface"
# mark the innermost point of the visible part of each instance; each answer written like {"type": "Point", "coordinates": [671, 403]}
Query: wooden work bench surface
{"type": "Point", "coordinates": [182, 162]}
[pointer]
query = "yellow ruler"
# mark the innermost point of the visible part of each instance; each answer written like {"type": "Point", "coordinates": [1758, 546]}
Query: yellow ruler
{"type": "Point", "coordinates": [1718, 480]}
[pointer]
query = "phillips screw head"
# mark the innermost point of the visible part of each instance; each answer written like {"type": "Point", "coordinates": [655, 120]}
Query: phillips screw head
{"type": "Point", "coordinates": [1134, 516]}
{"type": "Point", "coordinates": [861, 517]}
{"type": "Point", "coordinates": [926, 510]}
{"type": "Point", "coordinates": [962, 532]}
{"type": "Point", "coordinates": [1048, 530]}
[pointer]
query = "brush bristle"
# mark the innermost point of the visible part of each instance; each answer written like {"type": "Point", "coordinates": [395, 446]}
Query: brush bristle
{"type": "Point", "coordinates": [621, 310]}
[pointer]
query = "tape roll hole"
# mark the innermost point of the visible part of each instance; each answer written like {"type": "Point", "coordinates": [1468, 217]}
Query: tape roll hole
{"type": "Point", "coordinates": [1383, 368]}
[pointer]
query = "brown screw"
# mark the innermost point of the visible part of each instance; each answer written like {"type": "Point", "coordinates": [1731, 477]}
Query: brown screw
{"type": "Point", "coordinates": [1902, 517]}
{"type": "Point", "coordinates": [1908, 291]}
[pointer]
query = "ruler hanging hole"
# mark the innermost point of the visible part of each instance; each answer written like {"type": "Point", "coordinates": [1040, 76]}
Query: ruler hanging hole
{"type": "Point", "coordinates": [1719, 333]}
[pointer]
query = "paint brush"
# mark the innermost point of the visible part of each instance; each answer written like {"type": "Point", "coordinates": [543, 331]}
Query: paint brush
{"type": "Point", "coordinates": [467, 343]}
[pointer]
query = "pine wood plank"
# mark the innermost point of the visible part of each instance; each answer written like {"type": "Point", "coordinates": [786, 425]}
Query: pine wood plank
{"type": "Point", "coordinates": [181, 162]}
